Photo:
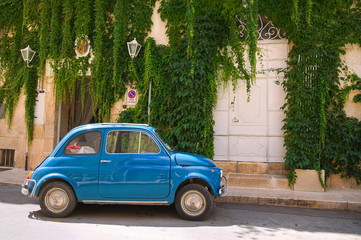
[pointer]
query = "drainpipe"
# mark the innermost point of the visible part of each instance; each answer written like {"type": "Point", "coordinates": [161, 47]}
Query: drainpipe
{"type": "Point", "coordinates": [26, 153]}
{"type": "Point", "coordinates": [59, 121]}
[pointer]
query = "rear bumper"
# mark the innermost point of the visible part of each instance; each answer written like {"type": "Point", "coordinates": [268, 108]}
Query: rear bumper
{"type": "Point", "coordinates": [25, 187]}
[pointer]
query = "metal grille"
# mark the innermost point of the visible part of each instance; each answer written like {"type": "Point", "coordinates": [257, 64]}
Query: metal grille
{"type": "Point", "coordinates": [7, 157]}
{"type": "Point", "coordinates": [266, 30]}
{"type": "Point", "coordinates": [311, 66]}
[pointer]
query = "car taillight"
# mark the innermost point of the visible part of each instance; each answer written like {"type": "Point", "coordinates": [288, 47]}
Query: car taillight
{"type": "Point", "coordinates": [29, 175]}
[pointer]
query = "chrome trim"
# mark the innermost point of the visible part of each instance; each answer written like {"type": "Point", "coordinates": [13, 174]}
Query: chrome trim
{"type": "Point", "coordinates": [126, 202]}
{"type": "Point", "coordinates": [223, 191]}
{"type": "Point", "coordinates": [24, 189]}
{"type": "Point", "coordinates": [136, 124]}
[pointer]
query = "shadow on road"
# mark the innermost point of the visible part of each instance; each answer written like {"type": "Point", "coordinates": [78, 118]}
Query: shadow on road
{"type": "Point", "coordinates": [244, 216]}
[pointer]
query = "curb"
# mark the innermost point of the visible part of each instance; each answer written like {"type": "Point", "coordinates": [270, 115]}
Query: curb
{"type": "Point", "coordinates": [341, 200]}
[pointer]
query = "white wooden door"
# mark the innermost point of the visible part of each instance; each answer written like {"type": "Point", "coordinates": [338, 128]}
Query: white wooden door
{"type": "Point", "coordinates": [251, 131]}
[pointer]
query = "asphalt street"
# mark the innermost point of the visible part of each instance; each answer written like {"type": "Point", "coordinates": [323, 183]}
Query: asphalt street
{"type": "Point", "coordinates": [21, 218]}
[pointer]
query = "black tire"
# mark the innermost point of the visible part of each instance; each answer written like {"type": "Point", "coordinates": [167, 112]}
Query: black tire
{"type": "Point", "coordinates": [194, 202]}
{"type": "Point", "coordinates": [57, 200]}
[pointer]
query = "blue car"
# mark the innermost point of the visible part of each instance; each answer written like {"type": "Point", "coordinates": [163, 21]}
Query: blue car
{"type": "Point", "coordinates": [123, 164]}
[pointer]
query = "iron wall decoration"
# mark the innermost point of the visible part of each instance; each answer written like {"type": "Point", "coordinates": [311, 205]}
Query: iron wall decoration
{"type": "Point", "coordinates": [266, 29]}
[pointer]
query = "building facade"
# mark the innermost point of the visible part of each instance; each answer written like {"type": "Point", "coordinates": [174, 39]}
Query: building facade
{"type": "Point", "coordinates": [245, 131]}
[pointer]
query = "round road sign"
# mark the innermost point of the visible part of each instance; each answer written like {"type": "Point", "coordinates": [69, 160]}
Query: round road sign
{"type": "Point", "coordinates": [132, 94]}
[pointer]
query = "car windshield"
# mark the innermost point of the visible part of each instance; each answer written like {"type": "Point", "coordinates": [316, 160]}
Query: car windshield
{"type": "Point", "coordinates": [157, 132]}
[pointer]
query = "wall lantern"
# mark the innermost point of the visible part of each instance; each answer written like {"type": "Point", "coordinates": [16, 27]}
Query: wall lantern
{"type": "Point", "coordinates": [133, 48]}
{"type": "Point", "coordinates": [27, 54]}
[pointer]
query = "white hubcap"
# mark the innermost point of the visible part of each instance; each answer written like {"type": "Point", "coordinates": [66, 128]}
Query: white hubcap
{"type": "Point", "coordinates": [193, 203]}
{"type": "Point", "coordinates": [57, 200]}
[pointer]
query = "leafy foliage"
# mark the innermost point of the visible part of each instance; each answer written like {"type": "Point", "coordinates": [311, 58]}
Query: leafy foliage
{"type": "Point", "coordinates": [318, 134]}
{"type": "Point", "coordinates": [184, 74]}
{"type": "Point", "coordinates": [203, 42]}
{"type": "Point", "coordinates": [52, 28]}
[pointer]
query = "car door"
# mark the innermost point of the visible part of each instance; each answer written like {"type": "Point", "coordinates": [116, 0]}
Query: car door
{"type": "Point", "coordinates": [133, 166]}
{"type": "Point", "coordinates": [78, 160]}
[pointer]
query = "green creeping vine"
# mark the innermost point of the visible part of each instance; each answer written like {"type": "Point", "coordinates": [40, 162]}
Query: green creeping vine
{"type": "Point", "coordinates": [51, 29]}
{"type": "Point", "coordinates": [185, 74]}
{"type": "Point", "coordinates": [204, 49]}
{"type": "Point", "coordinates": [318, 134]}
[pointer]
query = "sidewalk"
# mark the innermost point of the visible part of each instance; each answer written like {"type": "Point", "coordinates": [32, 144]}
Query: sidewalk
{"type": "Point", "coordinates": [13, 176]}
{"type": "Point", "coordinates": [332, 199]}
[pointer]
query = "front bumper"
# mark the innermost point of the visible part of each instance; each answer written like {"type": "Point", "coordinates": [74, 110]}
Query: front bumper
{"type": "Point", "coordinates": [223, 191]}
{"type": "Point", "coordinates": [25, 187]}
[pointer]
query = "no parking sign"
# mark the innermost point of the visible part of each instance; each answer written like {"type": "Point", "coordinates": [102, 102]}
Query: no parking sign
{"type": "Point", "coordinates": [132, 97]}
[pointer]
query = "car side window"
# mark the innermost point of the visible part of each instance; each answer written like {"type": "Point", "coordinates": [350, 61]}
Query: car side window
{"type": "Point", "coordinates": [84, 143]}
{"type": "Point", "coordinates": [130, 142]}
{"type": "Point", "coordinates": [147, 144]}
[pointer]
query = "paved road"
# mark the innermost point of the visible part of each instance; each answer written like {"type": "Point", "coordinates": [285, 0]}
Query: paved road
{"type": "Point", "coordinates": [21, 219]}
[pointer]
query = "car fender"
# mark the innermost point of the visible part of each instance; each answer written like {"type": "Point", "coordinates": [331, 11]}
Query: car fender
{"type": "Point", "coordinates": [194, 175]}
{"type": "Point", "coordinates": [50, 177]}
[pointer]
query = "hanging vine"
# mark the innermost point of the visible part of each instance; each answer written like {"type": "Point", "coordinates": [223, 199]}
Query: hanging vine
{"type": "Point", "coordinates": [65, 68]}
{"type": "Point", "coordinates": [315, 121]}
{"type": "Point", "coordinates": [52, 28]}
{"type": "Point", "coordinates": [45, 17]}
{"type": "Point", "coordinates": [119, 49]}
{"type": "Point", "coordinates": [204, 40]}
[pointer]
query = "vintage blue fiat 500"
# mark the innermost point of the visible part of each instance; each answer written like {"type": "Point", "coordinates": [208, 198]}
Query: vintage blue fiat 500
{"type": "Point", "coordinates": [123, 164]}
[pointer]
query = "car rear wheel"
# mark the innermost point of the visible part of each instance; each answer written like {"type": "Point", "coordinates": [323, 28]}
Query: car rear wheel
{"type": "Point", "coordinates": [194, 202]}
{"type": "Point", "coordinates": [57, 199]}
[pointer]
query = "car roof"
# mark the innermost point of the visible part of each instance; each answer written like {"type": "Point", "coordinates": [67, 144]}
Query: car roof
{"type": "Point", "coordinates": [98, 126]}
{"type": "Point", "coordinates": [113, 125]}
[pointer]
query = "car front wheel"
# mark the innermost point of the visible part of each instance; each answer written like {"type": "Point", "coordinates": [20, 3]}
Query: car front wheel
{"type": "Point", "coordinates": [57, 199]}
{"type": "Point", "coordinates": [194, 202]}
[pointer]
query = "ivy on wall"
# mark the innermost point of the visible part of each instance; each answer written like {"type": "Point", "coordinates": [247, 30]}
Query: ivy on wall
{"type": "Point", "coordinates": [184, 74]}
{"type": "Point", "coordinates": [52, 28]}
{"type": "Point", "coordinates": [203, 42]}
{"type": "Point", "coordinates": [315, 125]}
{"type": "Point", "coordinates": [318, 134]}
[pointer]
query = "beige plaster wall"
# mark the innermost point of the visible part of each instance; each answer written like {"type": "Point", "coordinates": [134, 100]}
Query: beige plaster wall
{"type": "Point", "coordinates": [352, 59]}
{"type": "Point", "coordinates": [14, 137]}
{"type": "Point", "coordinates": [158, 30]}
{"type": "Point", "coordinates": [117, 108]}
{"type": "Point", "coordinates": [44, 134]}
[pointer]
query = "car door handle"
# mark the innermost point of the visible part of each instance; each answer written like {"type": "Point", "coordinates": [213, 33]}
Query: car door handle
{"type": "Point", "coordinates": [106, 161]}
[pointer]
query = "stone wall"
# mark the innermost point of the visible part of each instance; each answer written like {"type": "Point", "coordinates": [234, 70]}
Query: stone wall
{"type": "Point", "coordinates": [15, 136]}
{"type": "Point", "coordinates": [44, 141]}
{"type": "Point", "coordinates": [352, 59]}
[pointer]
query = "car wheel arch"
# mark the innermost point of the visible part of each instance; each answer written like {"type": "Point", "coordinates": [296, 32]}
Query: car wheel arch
{"type": "Point", "coordinates": [51, 180]}
{"type": "Point", "coordinates": [196, 180]}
